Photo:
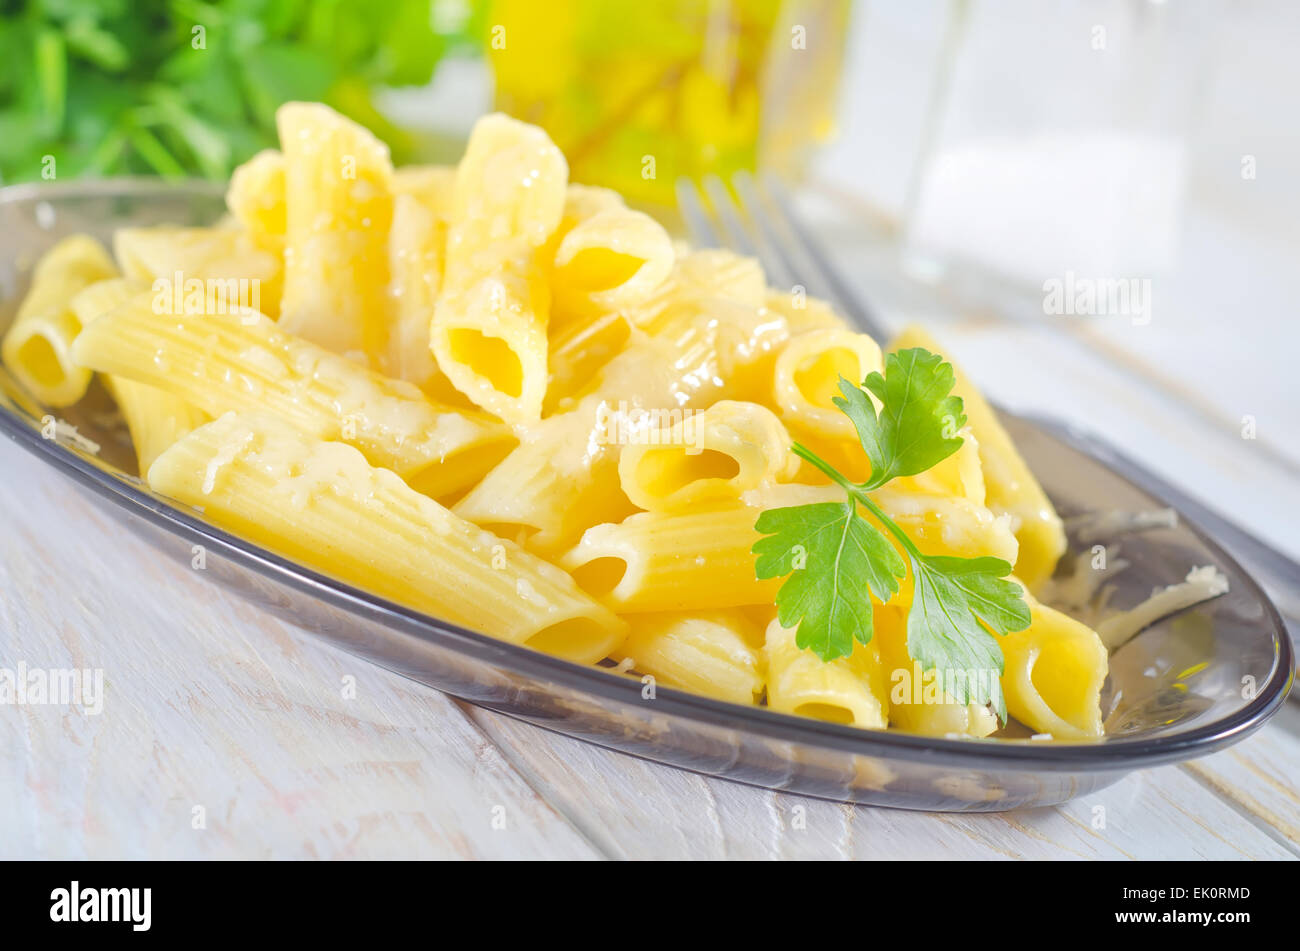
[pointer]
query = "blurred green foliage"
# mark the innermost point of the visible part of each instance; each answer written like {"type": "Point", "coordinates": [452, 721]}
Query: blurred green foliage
{"type": "Point", "coordinates": [182, 87]}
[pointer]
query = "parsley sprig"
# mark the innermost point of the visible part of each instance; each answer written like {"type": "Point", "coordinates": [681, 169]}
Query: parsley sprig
{"type": "Point", "coordinates": [837, 559]}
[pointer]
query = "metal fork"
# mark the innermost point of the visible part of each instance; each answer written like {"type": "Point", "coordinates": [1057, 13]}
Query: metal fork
{"type": "Point", "coordinates": [756, 217]}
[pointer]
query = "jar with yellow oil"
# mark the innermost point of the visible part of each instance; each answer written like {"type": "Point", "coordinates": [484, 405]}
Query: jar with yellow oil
{"type": "Point", "coordinates": [639, 94]}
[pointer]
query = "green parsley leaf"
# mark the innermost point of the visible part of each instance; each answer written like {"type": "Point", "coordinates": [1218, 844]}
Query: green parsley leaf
{"type": "Point", "coordinates": [951, 597]}
{"type": "Point", "coordinates": [919, 418]}
{"type": "Point", "coordinates": [836, 559]}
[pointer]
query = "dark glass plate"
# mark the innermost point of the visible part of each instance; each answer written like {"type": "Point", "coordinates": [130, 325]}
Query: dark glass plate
{"type": "Point", "coordinates": [1189, 685]}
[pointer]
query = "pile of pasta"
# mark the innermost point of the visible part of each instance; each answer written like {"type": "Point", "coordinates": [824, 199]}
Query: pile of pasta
{"type": "Point", "coordinates": [516, 404]}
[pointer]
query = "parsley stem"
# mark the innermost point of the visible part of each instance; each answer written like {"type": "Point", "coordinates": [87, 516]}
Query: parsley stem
{"type": "Point", "coordinates": [859, 493]}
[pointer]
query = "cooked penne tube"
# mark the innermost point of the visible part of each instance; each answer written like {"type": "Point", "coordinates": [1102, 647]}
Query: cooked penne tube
{"type": "Point", "coordinates": [201, 270]}
{"type": "Point", "coordinates": [256, 198]}
{"type": "Point", "coordinates": [917, 700]}
{"type": "Point", "coordinates": [37, 347]}
{"type": "Point", "coordinates": [244, 362]}
{"type": "Point", "coordinates": [714, 454]}
{"type": "Point", "coordinates": [653, 561]}
{"type": "Point", "coordinates": [323, 504]}
{"type": "Point", "coordinates": [804, 313]}
{"type": "Point", "coordinates": [154, 417]}
{"type": "Point", "coordinates": [806, 377]}
{"type": "Point", "coordinates": [709, 274]}
{"type": "Point", "coordinates": [611, 261]}
{"type": "Point", "coordinates": [338, 209]}
{"type": "Point", "coordinates": [563, 478]}
{"type": "Point", "coordinates": [715, 654]}
{"type": "Point", "coordinates": [488, 331]}
{"type": "Point", "coordinates": [415, 249]}
{"type": "Point", "coordinates": [489, 327]}
{"type": "Point", "coordinates": [1053, 675]}
{"type": "Point", "coordinates": [432, 185]}
{"type": "Point", "coordinates": [1010, 485]}
{"type": "Point", "coordinates": [576, 354]}
{"type": "Point", "coordinates": [849, 690]}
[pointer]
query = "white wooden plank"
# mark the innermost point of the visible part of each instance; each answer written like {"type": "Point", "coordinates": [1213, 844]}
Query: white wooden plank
{"type": "Point", "coordinates": [210, 702]}
{"type": "Point", "coordinates": [643, 810]}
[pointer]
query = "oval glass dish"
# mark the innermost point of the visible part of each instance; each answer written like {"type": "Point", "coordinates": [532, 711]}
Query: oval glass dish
{"type": "Point", "coordinates": [1181, 688]}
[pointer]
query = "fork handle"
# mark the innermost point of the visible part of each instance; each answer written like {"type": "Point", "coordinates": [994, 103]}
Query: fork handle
{"type": "Point", "coordinates": [1277, 573]}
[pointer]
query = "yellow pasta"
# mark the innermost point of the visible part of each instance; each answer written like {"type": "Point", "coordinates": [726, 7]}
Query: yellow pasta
{"type": "Point", "coordinates": [1054, 672]}
{"type": "Point", "coordinates": [1010, 485]}
{"type": "Point", "coordinates": [918, 701]}
{"type": "Point", "coordinates": [244, 362]}
{"type": "Point", "coordinates": [489, 327]}
{"type": "Point", "coordinates": [610, 262]}
{"type": "Point", "coordinates": [154, 417]}
{"type": "Point", "coordinates": [653, 561]}
{"type": "Point", "coordinates": [563, 477]}
{"type": "Point", "coordinates": [415, 263]}
{"type": "Point", "coordinates": [710, 274]}
{"type": "Point", "coordinates": [516, 404]}
{"type": "Point", "coordinates": [37, 347]}
{"type": "Point", "coordinates": [338, 209]}
{"type": "Point", "coordinates": [201, 270]}
{"type": "Point", "coordinates": [715, 454]}
{"type": "Point", "coordinates": [576, 353]}
{"type": "Point", "coordinates": [431, 185]}
{"type": "Point", "coordinates": [256, 198]}
{"type": "Point", "coordinates": [806, 378]}
{"type": "Point", "coordinates": [716, 654]}
{"type": "Point", "coordinates": [849, 690]}
{"type": "Point", "coordinates": [323, 504]}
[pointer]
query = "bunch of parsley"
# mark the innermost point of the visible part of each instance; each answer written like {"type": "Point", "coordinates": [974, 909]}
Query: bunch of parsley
{"type": "Point", "coordinates": [837, 559]}
{"type": "Point", "coordinates": [186, 88]}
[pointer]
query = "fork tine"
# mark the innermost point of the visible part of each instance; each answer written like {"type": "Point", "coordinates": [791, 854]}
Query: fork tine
{"type": "Point", "coordinates": [696, 218]}
{"type": "Point", "coordinates": [778, 262]}
{"type": "Point", "coordinates": [724, 208]}
{"type": "Point", "coordinates": [842, 295]}
{"type": "Point", "coordinates": [715, 219]}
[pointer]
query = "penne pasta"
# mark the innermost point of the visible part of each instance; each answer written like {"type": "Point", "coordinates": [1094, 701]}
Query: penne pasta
{"type": "Point", "coordinates": [338, 210]}
{"type": "Point", "coordinates": [323, 504]}
{"type": "Point", "coordinates": [37, 347]}
{"type": "Point", "coordinates": [1053, 674]}
{"type": "Point", "coordinates": [515, 404]}
{"type": "Point", "coordinates": [654, 561]}
{"type": "Point", "coordinates": [709, 274]}
{"type": "Point", "coordinates": [201, 270]}
{"type": "Point", "coordinates": [244, 362]}
{"type": "Point", "coordinates": [917, 699]}
{"type": "Point", "coordinates": [806, 378]}
{"type": "Point", "coordinates": [610, 262]}
{"type": "Point", "coordinates": [415, 250]}
{"type": "Point", "coordinates": [715, 454]}
{"type": "Point", "coordinates": [154, 417]}
{"type": "Point", "coordinates": [849, 690]}
{"type": "Point", "coordinates": [489, 327]}
{"type": "Point", "coordinates": [715, 654]}
{"type": "Point", "coordinates": [256, 199]}
{"type": "Point", "coordinates": [576, 354]}
{"type": "Point", "coordinates": [563, 478]}
{"type": "Point", "coordinates": [1010, 485]}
